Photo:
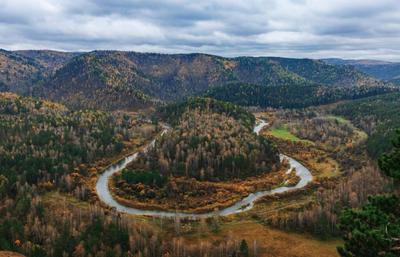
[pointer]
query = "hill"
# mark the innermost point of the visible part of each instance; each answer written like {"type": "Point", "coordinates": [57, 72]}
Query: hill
{"type": "Point", "coordinates": [21, 71]}
{"type": "Point", "coordinates": [322, 73]}
{"type": "Point", "coordinates": [134, 79]}
{"type": "Point", "coordinates": [212, 141]}
{"type": "Point", "coordinates": [379, 116]}
{"type": "Point", "coordinates": [98, 80]}
{"type": "Point", "coordinates": [117, 79]}
{"type": "Point", "coordinates": [42, 140]}
{"type": "Point", "coordinates": [289, 96]}
{"type": "Point", "coordinates": [172, 113]}
{"type": "Point", "coordinates": [48, 59]}
{"type": "Point", "coordinates": [18, 73]}
{"type": "Point", "coordinates": [379, 69]}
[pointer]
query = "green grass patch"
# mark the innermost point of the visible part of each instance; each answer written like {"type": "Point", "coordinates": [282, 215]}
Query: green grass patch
{"type": "Point", "coordinates": [283, 133]}
{"type": "Point", "coordinates": [361, 134]}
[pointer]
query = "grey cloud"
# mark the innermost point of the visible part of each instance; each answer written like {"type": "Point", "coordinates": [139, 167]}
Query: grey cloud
{"type": "Point", "coordinates": [306, 28]}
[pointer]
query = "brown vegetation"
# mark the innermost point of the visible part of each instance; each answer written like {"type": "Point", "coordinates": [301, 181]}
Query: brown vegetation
{"type": "Point", "coordinates": [212, 146]}
{"type": "Point", "coordinates": [338, 149]}
{"type": "Point", "coordinates": [191, 195]}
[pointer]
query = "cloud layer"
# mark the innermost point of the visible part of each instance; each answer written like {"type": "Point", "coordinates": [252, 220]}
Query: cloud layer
{"type": "Point", "coordinates": [293, 28]}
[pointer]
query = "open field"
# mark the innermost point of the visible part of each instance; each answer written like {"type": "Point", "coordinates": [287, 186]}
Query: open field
{"type": "Point", "coordinates": [284, 134]}
{"type": "Point", "coordinates": [267, 241]}
{"type": "Point", "coordinates": [271, 242]}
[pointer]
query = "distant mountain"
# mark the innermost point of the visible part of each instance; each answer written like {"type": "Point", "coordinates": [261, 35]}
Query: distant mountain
{"type": "Point", "coordinates": [323, 73]}
{"type": "Point", "coordinates": [117, 79]}
{"type": "Point", "coordinates": [338, 61]}
{"type": "Point", "coordinates": [21, 70]}
{"type": "Point", "coordinates": [289, 96]}
{"type": "Point", "coordinates": [110, 79]}
{"type": "Point", "coordinates": [48, 59]}
{"type": "Point", "coordinates": [18, 73]}
{"type": "Point", "coordinates": [379, 69]}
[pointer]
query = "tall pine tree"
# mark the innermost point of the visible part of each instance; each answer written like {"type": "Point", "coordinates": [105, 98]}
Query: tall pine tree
{"type": "Point", "coordinates": [374, 230]}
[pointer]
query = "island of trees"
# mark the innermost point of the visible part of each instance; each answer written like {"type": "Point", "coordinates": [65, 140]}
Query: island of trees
{"type": "Point", "coordinates": [211, 146]}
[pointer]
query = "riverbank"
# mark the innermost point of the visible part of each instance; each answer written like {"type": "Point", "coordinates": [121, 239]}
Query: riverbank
{"type": "Point", "coordinates": [105, 195]}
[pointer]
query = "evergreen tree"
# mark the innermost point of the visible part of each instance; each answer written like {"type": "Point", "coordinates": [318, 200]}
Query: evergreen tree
{"type": "Point", "coordinates": [374, 230]}
{"type": "Point", "coordinates": [390, 163]}
{"type": "Point", "coordinates": [243, 249]}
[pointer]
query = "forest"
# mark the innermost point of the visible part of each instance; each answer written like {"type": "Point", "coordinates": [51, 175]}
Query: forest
{"type": "Point", "coordinates": [379, 116]}
{"type": "Point", "coordinates": [209, 159]}
{"type": "Point", "coordinates": [41, 141]}
{"type": "Point", "coordinates": [121, 80]}
{"type": "Point", "coordinates": [291, 95]}
{"type": "Point", "coordinates": [172, 113]}
{"type": "Point", "coordinates": [209, 146]}
{"type": "Point", "coordinates": [344, 175]}
{"type": "Point", "coordinates": [209, 151]}
{"type": "Point", "coordinates": [50, 154]}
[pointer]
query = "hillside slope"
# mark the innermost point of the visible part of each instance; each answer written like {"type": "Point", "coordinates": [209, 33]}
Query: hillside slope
{"type": "Point", "coordinates": [323, 73]}
{"type": "Point", "coordinates": [49, 60]}
{"type": "Point", "coordinates": [21, 71]}
{"type": "Point", "coordinates": [389, 71]}
{"type": "Point", "coordinates": [18, 73]}
{"type": "Point", "coordinates": [103, 78]}
{"type": "Point", "coordinates": [290, 96]}
{"type": "Point", "coordinates": [117, 79]}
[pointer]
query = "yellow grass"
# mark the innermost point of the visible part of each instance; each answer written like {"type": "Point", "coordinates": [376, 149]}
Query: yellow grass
{"type": "Point", "coordinates": [271, 242]}
{"type": "Point", "coordinates": [10, 254]}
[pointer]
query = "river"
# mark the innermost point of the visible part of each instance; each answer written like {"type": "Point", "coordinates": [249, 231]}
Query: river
{"type": "Point", "coordinates": [241, 206]}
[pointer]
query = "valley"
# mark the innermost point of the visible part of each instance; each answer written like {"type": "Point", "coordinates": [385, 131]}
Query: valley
{"type": "Point", "coordinates": [301, 179]}
{"type": "Point", "coordinates": [114, 153]}
{"type": "Point", "coordinates": [179, 128]}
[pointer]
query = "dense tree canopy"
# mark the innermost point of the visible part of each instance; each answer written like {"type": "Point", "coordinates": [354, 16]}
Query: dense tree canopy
{"type": "Point", "coordinates": [374, 230]}
{"type": "Point", "coordinates": [390, 163]}
{"type": "Point", "coordinates": [288, 95]}
{"type": "Point", "coordinates": [172, 113]}
{"type": "Point", "coordinates": [379, 116]}
{"type": "Point", "coordinates": [208, 145]}
{"type": "Point", "coordinates": [45, 146]}
{"type": "Point", "coordinates": [44, 140]}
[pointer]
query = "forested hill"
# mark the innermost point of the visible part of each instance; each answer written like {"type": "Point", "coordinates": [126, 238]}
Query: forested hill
{"type": "Point", "coordinates": [379, 116]}
{"type": "Point", "coordinates": [389, 71]}
{"type": "Point", "coordinates": [21, 71]}
{"type": "Point", "coordinates": [133, 79]}
{"type": "Point", "coordinates": [323, 73]}
{"type": "Point", "coordinates": [48, 60]}
{"type": "Point", "coordinates": [116, 79]}
{"type": "Point", "coordinates": [42, 140]}
{"type": "Point", "coordinates": [18, 73]}
{"type": "Point", "coordinates": [173, 113]}
{"type": "Point", "coordinates": [290, 96]}
{"type": "Point", "coordinates": [211, 140]}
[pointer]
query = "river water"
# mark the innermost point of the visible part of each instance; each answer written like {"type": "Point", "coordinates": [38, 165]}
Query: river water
{"type": "Point", "coordinates": [241, 206]}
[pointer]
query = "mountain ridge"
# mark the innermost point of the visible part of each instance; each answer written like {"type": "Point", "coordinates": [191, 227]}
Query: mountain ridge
{"type": "Point", "coordinates": [109, 79]}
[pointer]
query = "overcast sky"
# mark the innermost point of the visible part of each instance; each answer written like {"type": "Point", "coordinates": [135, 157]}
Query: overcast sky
{"type": "Point", "coordinates": [292, 28]}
